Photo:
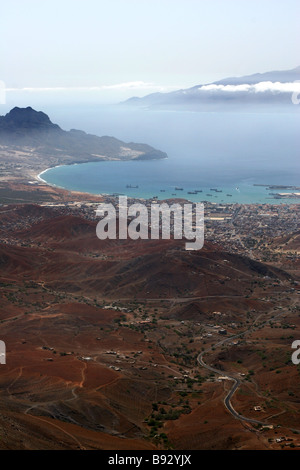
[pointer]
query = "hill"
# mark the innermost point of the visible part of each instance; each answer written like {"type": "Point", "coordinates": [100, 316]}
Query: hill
{"type": "Point", "coordinates": [103, 337]}
{"type": "Point", "coordinates": [30, 141]}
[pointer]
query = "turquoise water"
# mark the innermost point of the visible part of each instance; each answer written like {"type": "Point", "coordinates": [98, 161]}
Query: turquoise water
{"type": "Point", "coordinates": [226, 151]}
{"type": "Point", "coordinates": [154, 179]}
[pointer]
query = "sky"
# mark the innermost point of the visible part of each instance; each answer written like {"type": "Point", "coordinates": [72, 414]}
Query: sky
{"type": "Point", "coordinates": [115, 49]}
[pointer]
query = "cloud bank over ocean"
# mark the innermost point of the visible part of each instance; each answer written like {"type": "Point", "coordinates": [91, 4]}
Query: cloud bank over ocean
{"type": "Point", "coordinates": [140, 85]}
{"type": "Point", "coordinates": [111, 92]}
{"type": "Point", "coordinates": [133, 85]}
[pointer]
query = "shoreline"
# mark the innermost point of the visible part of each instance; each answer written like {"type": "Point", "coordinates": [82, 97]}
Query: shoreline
{"type": "Point", "coordinates": [16, 191]}
{"type": "Point", "coordinates": [279, 200]}
{"type": "Point", "coordinates": [38, 176]}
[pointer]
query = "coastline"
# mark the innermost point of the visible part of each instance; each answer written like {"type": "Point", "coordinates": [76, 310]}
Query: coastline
{"type": "Point", "coordinates": [38, 176]}
{"type": "Point", "coordinates": [246, 192]}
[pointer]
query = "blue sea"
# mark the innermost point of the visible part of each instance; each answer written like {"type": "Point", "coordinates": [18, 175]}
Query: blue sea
{"type": "Point", "coordinates": [229, 152]}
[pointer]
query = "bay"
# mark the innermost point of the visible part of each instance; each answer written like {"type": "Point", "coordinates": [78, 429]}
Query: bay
{"type": "Point", "coordinates": [226, 151]}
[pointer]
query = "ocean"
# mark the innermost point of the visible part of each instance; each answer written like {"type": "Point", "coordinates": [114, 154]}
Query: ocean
{"type": "Point", "coordinates": [229, 152]}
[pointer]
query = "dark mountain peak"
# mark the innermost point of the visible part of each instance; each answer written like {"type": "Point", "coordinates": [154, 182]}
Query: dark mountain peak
{"type": "Point", "coordinates": [25, 127]}
{"type": "Point", "coordinates": [26, 118]}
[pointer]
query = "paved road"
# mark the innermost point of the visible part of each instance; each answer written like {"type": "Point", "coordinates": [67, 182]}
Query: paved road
{"type": "Point", "coordinates": [227, 399]}
{"type": "Point", "coordinates": [236, 380]}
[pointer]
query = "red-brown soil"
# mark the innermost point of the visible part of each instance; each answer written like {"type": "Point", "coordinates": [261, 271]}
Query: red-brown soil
{"type": "Point", "coordinates": [99, 332]}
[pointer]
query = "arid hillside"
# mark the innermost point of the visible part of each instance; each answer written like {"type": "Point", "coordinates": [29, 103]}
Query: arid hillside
{"type": "Point", "coordinates": [103, 339]}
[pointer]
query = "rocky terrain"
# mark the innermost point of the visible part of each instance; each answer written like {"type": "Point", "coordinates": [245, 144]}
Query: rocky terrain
{"type": "Point", "coordinates": [103, 339]}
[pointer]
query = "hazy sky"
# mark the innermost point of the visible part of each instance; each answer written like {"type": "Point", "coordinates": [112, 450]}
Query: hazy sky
{"type": "Point", "coordinates": [133, 47]}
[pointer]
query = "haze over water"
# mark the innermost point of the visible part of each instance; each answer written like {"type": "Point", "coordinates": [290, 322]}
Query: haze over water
{"type": "Point", "coordinates": [229, 151]}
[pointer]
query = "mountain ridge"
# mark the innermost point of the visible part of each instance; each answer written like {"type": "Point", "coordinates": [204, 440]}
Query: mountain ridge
{"type": "Point", "coordinates": [212, 95]}
{"type": "Point", "coordinates": [26, 127]}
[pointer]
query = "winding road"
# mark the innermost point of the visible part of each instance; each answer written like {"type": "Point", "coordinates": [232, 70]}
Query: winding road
{"type": "Point", "coordinates": [236, 380]}
{"type": "Point", "coordinates": [227, 399]}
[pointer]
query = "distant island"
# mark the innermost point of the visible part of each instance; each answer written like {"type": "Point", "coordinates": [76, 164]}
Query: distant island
{"type": "Point", "coordinates": [294, 195]}
{"type": "Point", "coordinates": [31, 143]}
{"type": "Point", "coordinates": [259, 91]}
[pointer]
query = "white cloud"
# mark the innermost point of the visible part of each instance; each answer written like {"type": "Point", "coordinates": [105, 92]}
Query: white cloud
{"type": "Point", "coordinates": [134, 85]}
{"type": "Point", "coordinates": [261, 87]}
